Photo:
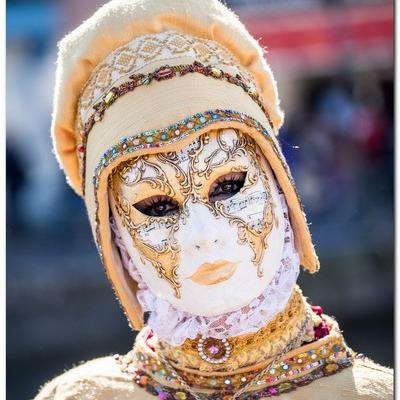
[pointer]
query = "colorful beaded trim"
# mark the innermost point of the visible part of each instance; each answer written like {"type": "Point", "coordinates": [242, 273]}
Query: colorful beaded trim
{"type": "Point", "coordinates": [173, 133]}
{"type": "Point", "coordinates": [314, 364]}
{"type": "Point", "coordinates": [160, 74]}
{"type": "Point", "coordinates": [303, 362]}
{"type": "Point", "coordinates": [163, 73]}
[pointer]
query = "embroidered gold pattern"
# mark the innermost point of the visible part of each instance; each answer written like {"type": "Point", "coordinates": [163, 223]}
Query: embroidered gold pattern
{"type": "Point", "coordinates": [150, 48]}
{"type": "Point", "coordinates": [268, 376]}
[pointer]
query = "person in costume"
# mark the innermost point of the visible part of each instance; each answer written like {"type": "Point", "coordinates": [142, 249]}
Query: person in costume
{"type": "Point", "coordinates": [166, 120]}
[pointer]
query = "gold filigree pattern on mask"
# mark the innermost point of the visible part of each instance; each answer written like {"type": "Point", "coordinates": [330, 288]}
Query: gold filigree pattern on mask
{"type": "Point", "coordinates": [134, 170]}
{"type": "Point", "coordinates": [220, 156]}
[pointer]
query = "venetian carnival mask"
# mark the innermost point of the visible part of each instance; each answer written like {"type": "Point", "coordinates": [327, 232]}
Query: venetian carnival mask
{"type": "Point", "coordinates": [203, 225]}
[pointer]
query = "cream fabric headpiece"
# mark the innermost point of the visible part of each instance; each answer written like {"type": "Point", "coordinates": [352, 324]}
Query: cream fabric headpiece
{"type": "Point", "coordinates": [145, 76]}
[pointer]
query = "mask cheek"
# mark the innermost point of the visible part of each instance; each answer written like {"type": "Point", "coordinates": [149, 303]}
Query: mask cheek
{"type": "Point", "coordinates": [154, 233]}
{"type": "Point", "coordinates": [155, 242]}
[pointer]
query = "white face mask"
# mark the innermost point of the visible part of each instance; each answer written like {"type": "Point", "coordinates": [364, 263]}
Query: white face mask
{"type": "Point", "coordinates": [204, 226]}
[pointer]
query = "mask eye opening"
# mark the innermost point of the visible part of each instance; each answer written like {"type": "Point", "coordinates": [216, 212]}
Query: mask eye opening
{"type": "Point", "coordinates": [158, 206]}
{"type": "Point", "coordinates": [226, 186]}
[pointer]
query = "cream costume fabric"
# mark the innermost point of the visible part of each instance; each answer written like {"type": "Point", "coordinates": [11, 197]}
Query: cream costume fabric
{"type": "Point", "coordinates": [136, 84]}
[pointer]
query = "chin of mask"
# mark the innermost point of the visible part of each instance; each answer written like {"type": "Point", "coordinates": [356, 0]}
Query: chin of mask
{"type": "Point", "coordinates": [204, 226]}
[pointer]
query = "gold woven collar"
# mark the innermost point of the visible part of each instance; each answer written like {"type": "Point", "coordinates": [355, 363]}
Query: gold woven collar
{"type": "Point", "coordinates": [243, 351]}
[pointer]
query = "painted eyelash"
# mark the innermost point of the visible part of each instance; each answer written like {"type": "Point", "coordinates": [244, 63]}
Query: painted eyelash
{"type": "Point", "coordinates": [153, 200]}
{"type": "Point", "coordinates": [232, 177]}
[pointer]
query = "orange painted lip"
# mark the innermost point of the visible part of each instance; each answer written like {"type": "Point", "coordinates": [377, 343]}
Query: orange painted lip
{"type": "Point", "coordinates": [213, 273]}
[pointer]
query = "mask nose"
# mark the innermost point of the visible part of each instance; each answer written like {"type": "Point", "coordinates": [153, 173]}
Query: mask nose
{"type": "Point", "coordinates": [203, 230]}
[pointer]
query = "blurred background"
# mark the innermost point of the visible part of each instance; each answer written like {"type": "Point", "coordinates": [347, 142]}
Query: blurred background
{"type": "Point", "coordinates": [333, 60]}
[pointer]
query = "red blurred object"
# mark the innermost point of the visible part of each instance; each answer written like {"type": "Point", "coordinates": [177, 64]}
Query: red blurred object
{"type": "Point", "coordinates": [147, 340]}
{"type": "Point", "coordinates": [321, 39]}
{"type": "Point", "coordinates": [321, 331]}
{"type": "Point", "coordinates": [317, 310]}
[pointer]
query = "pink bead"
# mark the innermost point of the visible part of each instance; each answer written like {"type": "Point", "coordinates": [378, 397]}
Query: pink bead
{"type": "Point", "coordinates": [213, 349]}
{"type": "Point", "coordinates": [272, 391]}
{"type": "Point", "coordinates": [149, 334]}
{"type": "Point", "coordinates": [164, 73]}
{"type": "Point", "coordinates": [321, 331]}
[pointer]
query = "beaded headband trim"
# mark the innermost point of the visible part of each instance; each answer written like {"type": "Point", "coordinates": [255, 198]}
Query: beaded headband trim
{"type": "Point", "coordinates": [175, 132]}
{"type": "Point", "coordinates": [164, 73]}
{"type": "Point", "coordinates": [160, 74]}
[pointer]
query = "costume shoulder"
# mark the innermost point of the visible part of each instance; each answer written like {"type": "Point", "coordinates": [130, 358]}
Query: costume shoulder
{"type": "Point", "coordinates": [99, 379]}
{"type": "Point", "coordinates": [364, 380]}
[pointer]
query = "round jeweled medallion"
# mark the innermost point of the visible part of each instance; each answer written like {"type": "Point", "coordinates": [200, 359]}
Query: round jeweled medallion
{"type": "Point", "coordinates": [214, 351]}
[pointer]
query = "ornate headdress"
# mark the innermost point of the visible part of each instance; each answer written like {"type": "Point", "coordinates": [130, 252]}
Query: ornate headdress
{"type": "Point", "coordinates": [148, 76]}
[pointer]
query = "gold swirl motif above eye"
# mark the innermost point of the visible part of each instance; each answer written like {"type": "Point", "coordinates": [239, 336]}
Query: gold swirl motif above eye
{"type": "Point", "coordinates": [137, 167]}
